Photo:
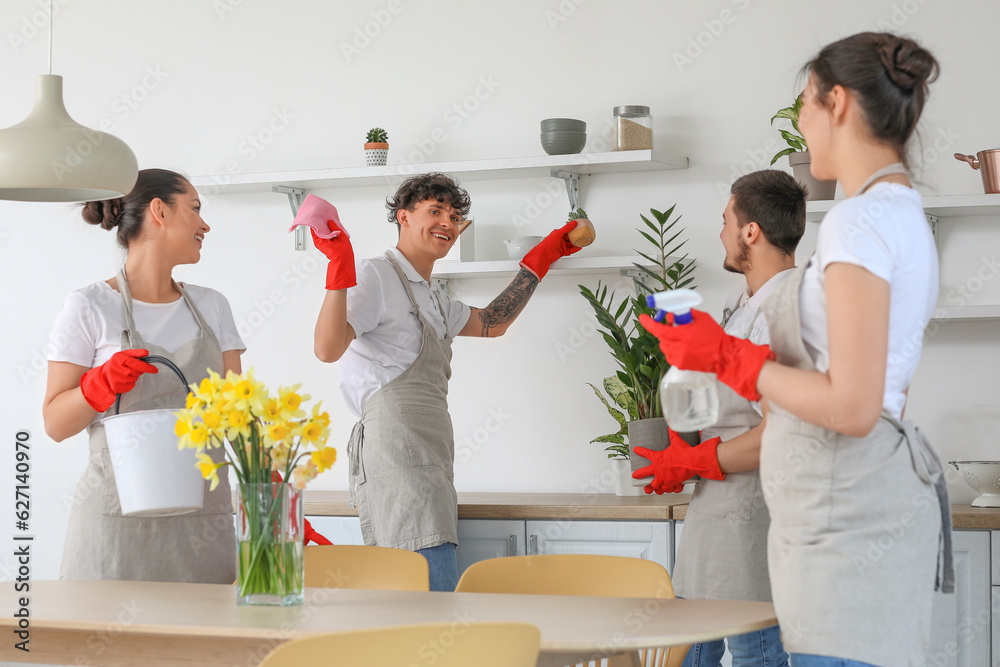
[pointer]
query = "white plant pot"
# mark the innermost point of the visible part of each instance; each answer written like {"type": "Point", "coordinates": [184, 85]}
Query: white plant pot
{"type": "Point", "coordinates": [622, 470]}
{"type": "Point", "coordinates": [376, 157]}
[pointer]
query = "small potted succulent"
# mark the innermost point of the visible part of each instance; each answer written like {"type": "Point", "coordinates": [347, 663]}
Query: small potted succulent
{"type": "Point", "coordinates": [377, 148]}
{"type": "Point", "coordinates": [584, 233]}
{"type": "Point", "coordinates": [798, 154]}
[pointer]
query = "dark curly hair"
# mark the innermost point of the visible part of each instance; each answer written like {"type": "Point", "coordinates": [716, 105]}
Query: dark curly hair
{"type": "Point", "coordinates": [427, 186]}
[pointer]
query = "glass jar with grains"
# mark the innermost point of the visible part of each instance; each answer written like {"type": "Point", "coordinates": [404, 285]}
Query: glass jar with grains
{"type": "Point", "coordinates": [632, 129]}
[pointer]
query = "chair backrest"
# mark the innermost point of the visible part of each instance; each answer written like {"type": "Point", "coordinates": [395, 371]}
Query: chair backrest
{"type": "Point", "coordinates": [569, 574]}
{"type": "Point", "coordinates": [351, 566]}
{"type": "Point", "coordinates": [441, 644]}
{"type": "Point", "coordinates": [577, 574]}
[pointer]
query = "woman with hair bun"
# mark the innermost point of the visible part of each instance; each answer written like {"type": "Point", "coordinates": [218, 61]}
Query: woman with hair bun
{"type": "Point", "coordinates": [97, 340]}
{"type": "Point", "coordinates": [860, 522]}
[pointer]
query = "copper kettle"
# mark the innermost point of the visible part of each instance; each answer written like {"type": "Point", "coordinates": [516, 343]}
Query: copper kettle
{"type": "Point", "coordinates": [988, 163]}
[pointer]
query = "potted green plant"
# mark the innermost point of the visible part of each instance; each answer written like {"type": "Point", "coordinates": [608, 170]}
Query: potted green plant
{"type": "Point", "coordinates": [798, 154]}
{"type": "Point", "coordinates": [377, 147]}
{"type": "Point", "coordinates": [641, 364]}
{"type": "Point", "coordinates": [618, 448]}
{"type": "Point", "coordinates": [583, 235]}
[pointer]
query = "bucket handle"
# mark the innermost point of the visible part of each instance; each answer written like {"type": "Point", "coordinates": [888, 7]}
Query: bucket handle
{"type": "Point", "coordinates": [161, 360]}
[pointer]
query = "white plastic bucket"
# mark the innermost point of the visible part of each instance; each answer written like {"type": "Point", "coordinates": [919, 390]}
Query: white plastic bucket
{"type": "Point", "coordinates": [154, 477]}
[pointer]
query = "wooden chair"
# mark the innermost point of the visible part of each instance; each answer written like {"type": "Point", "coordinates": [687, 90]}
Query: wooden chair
{"type": "Point", "coordinates": [442, 644]}
{"type": "Point", "coordinates": [576, 574]}
{"type": "Point", "coordinates": [351, 566]}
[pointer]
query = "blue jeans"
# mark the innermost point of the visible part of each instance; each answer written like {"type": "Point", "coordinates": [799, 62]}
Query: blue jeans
{"type": "Point", "coordinates": [754, 649]}
{"type": "Point", "coordinates": [802, 660]}
{"type": "Point", "coordinates": [442, 561]}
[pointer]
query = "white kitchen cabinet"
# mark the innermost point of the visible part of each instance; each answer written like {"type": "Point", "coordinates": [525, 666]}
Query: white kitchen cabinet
{"type": "Point", "coordinates": [480, 539]}
{"type": "Point", "coordinates": [338, 529]}
{"type": "Point", "coordinates": [995, 540]}
{"type": "Point", "coordinates": [961, 623]}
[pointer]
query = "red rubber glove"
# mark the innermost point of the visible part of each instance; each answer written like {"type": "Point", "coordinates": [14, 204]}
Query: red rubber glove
{"type": "Point", "coordinates": [552, 247]}
{"type": "Point", "coordinates": [101, 384]}
{"type": "Point", "coordinates": [702, 345]}
{"type": "Point", "coordinates": [678, 463]}
{"type": "Point", "coordinates": [309, 533]}
{"type": "Point", "coordinates": [340, 271]}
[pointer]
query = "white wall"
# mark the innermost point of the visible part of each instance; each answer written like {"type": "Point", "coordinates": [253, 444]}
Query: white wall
{"type": "Point", "coordinates": [223, 69]}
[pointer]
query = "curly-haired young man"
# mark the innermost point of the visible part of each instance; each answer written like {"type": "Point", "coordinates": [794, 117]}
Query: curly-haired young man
{"type": "Point", "coordinates": [391, 329]}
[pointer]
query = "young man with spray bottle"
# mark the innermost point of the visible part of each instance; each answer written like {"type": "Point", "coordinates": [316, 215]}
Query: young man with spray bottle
{"type": "Point", "coordinates": [392, 329]}
{"type": "Point", "coordinates": [723, 553]}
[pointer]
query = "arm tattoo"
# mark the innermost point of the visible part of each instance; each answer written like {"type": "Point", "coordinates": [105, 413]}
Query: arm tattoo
{"type": "Point", "coordinates": [510, 303]}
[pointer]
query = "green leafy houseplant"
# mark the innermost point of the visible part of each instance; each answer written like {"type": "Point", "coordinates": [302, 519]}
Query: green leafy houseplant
{"type": "Point", "coordinates": [796, 143]}
{"type": "Point", "coordinates": [578, 214]}
{"type": "Point", "coordinates": [641, 364]}
{"type": "Point", "coordinates": [620, 394]}
{"type": "Point", "coordinates": [377, 135]}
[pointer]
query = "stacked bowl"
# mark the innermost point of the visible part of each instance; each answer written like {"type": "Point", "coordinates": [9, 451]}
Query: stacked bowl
{"type": "Point", "coordinates": [562, 136]}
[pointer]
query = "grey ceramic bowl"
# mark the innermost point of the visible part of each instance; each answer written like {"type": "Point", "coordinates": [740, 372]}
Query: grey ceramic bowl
{"type": "Point", "coordinates": [570, 124]}
{"type": "Point", "coordinates": [563, 143]}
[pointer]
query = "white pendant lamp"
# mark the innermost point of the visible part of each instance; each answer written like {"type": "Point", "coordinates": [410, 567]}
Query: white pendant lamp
{"type": "Point", "coordinates": [50, 157]}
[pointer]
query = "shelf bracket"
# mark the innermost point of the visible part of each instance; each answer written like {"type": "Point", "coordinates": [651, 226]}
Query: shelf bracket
{"type": "Point", "coordinates": [572, 182]}
{"type": "Point", "coordinates": [932, 220]}
{"type": "Point", "coordinates": [295, 196]}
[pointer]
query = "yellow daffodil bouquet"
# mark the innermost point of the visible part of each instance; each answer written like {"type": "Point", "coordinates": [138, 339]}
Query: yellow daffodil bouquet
{"type": "Point", "coordinates": [274, 444]}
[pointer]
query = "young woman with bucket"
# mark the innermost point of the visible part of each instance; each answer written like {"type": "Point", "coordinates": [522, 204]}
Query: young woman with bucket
{"type": "Point", "coordinates": [860, 523]}
{"type": "Point", "coordinates": [97, 341]}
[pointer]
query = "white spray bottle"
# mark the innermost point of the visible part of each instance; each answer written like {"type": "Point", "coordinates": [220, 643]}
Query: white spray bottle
{"type": "Point", "coordinates": [690, 399]}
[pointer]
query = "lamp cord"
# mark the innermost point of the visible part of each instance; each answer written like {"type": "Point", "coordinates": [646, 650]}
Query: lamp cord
{"type": "Point", "coordinates": [50, 36]}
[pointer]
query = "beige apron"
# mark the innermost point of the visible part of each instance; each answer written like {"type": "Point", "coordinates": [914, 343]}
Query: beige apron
{"type": "Point", "coordinates": [860, 527]}
{"type": "Point", "coordinates": [100, 542]}
{"type": "Point", "coordinates": [402, 452]}
{"type": "Point", "coordinates": [723, 553]}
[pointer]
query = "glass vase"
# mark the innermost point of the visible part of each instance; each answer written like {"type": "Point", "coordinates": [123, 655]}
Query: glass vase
{"type": "Point", "coordinates": [269, 534]}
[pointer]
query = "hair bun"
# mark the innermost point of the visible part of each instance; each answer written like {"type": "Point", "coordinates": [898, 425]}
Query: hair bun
{"type": "Point", "coordinates": [106, 213]}
{"type": "Point", "coordinates": [907, 64]}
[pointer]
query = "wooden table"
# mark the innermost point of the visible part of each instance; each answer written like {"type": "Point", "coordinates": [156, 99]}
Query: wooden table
{"type": "Point", "coordinates": [156, 624]}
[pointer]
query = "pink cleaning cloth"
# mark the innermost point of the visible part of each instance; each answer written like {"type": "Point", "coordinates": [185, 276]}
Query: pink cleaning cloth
{"type": "Point", "coordinates": [322, 216]}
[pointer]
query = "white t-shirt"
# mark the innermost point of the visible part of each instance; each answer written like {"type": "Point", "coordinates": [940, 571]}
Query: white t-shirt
{"type": "Point", "coordinates": [387, 335]}
{"type": "Point", "coordinates": [88, 329]}
{"type": "Point", "coordinates": [744, 321]}
{"type": "Point", "coordinates": [885, 232]}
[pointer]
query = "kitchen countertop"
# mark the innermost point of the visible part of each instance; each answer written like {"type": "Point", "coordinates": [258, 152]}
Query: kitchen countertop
{"type": "Point", "coordinates": [594, 507]}
{"type": "Point", "coordinates": [962, 516]}
{"type": "Point", "coordinates": [590, 506]}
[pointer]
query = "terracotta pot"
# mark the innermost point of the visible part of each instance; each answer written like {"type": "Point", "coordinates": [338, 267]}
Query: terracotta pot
{"type": "Point", "coordinates": [376, 153]}
{"type": "Point", "coordinates": [815, 188]}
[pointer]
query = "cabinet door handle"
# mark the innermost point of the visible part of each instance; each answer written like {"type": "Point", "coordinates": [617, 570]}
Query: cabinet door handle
{"type": "Point", "coordinates": [532, 545]}
{"type": "Point", "coordinates": [512, 545]}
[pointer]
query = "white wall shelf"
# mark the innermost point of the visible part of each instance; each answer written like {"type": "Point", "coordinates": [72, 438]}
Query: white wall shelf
{"type": "Point", "coordinates": [469, 170]}
{"type": "Point", "coordinates": [943, 206]}
{"type": "Point", "coordinates": [567, 266]}
{"type": "Point", "coordinates": [982, 313]}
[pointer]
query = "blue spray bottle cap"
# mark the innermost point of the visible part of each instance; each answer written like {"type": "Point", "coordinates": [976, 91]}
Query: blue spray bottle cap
{"type": "Point", "coordinates": [678, 301]}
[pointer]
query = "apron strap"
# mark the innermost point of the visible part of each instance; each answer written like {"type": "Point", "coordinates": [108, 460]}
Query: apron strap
{"type": "Point", "coordinates": [888, 170]}
{"type": "Point", "coordinates": [130, 334]}
{"type": "Point", "coordinates": [409, 293]}
{"type": "Point", "coordinates": [928, 467]}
